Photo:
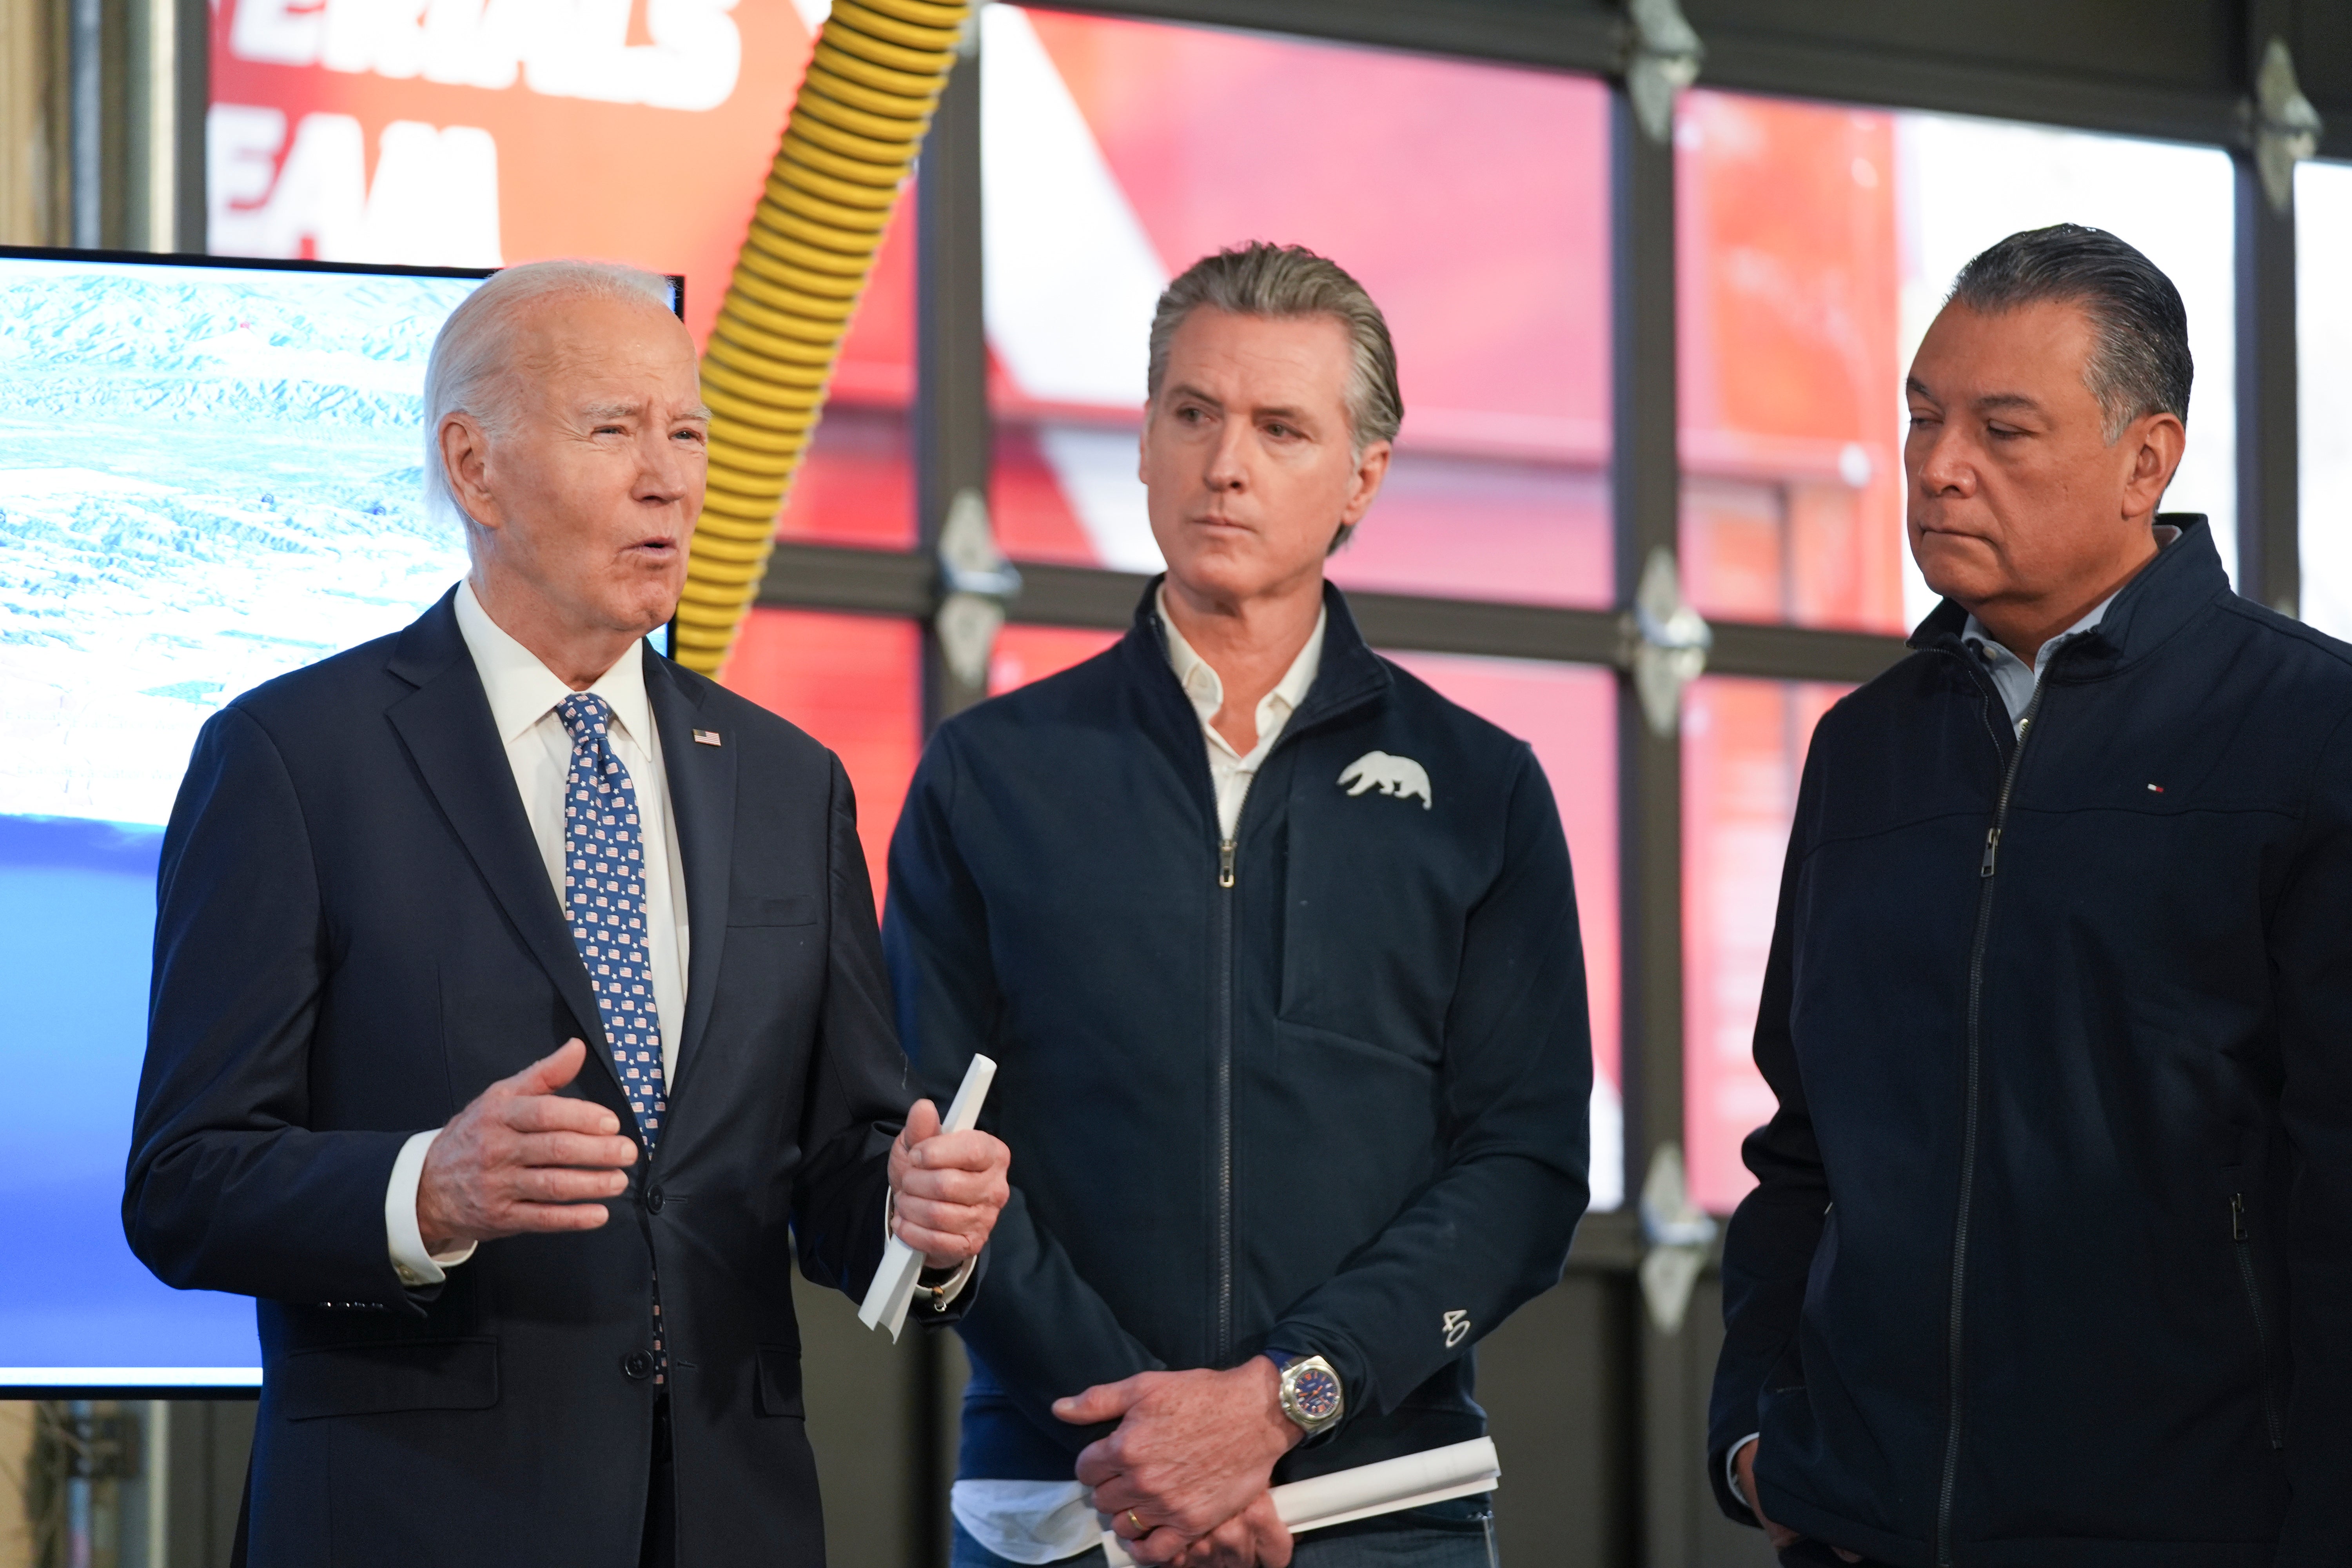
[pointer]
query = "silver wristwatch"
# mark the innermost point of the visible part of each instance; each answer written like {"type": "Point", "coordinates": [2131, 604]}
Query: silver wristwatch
{"type": "Point", "coordinates": [1311, 1394]}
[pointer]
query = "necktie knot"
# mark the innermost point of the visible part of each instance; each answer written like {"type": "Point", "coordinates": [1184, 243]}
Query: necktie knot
{"type": "Point", "coordinates": [586, 716]}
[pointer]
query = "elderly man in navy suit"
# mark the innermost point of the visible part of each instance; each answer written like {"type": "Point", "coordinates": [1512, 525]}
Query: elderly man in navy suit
{"type": "Point", "coordinates": [519, 1010]}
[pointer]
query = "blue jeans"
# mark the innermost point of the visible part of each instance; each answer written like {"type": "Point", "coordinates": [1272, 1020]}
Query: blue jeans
{"type": "Point", "coordinates": [1456, 1535]}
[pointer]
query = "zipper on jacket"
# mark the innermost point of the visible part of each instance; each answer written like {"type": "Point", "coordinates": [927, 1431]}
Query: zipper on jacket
{"type": "Point", "coordinates": [2239, 1234]}
{"type": "Point", "coordinates": [1985, 870]}
{"type": "Point", "coordinates": [1227, 851]}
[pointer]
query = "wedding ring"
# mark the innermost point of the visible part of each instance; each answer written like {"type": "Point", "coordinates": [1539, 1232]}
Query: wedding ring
{"type": "Point", "coordinates": [1139, 1531]}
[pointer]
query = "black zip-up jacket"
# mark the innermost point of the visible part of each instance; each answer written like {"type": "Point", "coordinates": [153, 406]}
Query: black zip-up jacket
{"type": "Point", "coordinates": [1325, 1090]}
{"type": "Point", "coordinates": [2051, 1258]}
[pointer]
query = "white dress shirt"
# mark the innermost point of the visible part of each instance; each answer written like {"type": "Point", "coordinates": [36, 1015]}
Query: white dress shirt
{"type": "Point", "coordinates": [1044, 1522]}
{"type": "Point", "coordinates": [524, 694]}
{"type": "Point", "coordinates": [1230, 771]}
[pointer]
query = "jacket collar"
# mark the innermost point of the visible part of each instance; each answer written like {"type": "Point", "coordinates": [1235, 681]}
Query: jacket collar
{"type": "Point", "coordinates": [1349, 671]}
{"type": "Point", "coordinates": [445, 723]}
{"type": "Point", "coordinates": [1349, 676]}
{"type": "Point", "coordinates": [702, 804]}
{"type": "Point", "coordinates": [2185, 577]}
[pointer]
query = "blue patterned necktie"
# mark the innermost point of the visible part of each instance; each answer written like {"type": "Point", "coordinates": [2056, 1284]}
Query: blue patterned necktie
{"type": "Point", "coordinates": [604, 903]}
{"type": "Point", "coordinates": [605, 899]}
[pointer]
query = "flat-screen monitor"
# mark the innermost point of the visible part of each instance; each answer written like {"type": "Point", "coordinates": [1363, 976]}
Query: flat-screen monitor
{"type": "Point", "coordinates": [210, 474]}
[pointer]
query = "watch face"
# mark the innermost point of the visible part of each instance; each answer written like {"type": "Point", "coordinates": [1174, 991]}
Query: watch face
{"type": "Point", "coordinates": [1316, 1392]}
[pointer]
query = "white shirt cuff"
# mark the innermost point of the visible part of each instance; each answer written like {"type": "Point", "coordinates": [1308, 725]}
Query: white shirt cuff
{"type": "Point", "coordinates": [954, 1287]}
{"type": "Point", "coordinates": [414, 1266]}
{"type": "Point", "coordinates": [1731, 1468]}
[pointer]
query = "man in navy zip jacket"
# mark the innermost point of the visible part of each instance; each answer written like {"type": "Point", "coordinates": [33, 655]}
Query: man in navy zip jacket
{"type": "Point", "coordinates": [1277, 950]}
{"type": "Point", "coordinates": [2050, 1260]}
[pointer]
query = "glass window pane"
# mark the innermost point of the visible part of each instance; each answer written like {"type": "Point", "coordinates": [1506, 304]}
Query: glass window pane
{"type": "Point", "coordinates": [1118, 151]}
{"type": "Point", "coordinates": [1817, 245]}
{"type": "Point", "coordinates": [2323, 235]}
{"type": "Point", "coordinates": [855, 683]}
{"type": "Point", "coordinates": [1743, 749]}
{"type": "Point", "coordinates": [1025, 654]}
{"type": "Point", "coordinates": [1568, 714]}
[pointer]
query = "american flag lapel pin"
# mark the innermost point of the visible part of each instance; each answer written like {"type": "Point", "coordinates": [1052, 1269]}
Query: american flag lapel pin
{"type": "Point", "coordinates": [706, 738]}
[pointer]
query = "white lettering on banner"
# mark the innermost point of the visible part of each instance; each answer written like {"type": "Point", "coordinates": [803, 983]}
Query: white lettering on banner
{"type": "Point", "coordinates": [274, 33]}
{"type": "Point", "coordinates": [563, 48]}
{"type": "Point", "coordinates": [434, 203]}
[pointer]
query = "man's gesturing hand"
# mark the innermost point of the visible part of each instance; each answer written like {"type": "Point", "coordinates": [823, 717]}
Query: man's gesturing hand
{"type": "Point", "coordinates": [522, 1158]}
{"type": "Point", "coordinates": [948, 1187]}
{"type": "Point", "coordinates": [1193, 1450]}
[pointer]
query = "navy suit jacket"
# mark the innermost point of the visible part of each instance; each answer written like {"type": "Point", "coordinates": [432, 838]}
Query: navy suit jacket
{"type": "Point", "coordinates": [355, 937]}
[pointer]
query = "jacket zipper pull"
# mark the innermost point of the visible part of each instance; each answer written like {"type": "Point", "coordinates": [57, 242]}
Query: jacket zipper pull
{"type": "Point", "coordinates": [1992, 843]}
{"type": "Point", "coordinates": [2237, 1217]}
{"type": "Point", "coordinates": [1225, 864]}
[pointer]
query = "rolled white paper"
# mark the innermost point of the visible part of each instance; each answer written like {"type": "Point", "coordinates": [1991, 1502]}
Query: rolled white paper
{"type": "Point", "coordinates": [1390, 1486]}
{"type": "Point", "coordinates": [894, 1283]}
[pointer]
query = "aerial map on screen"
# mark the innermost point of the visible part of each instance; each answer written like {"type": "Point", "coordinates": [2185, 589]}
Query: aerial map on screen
{"type": "Point", "coordinates": [209, 476]}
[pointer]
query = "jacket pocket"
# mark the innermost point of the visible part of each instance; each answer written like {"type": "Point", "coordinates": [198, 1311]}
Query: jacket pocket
{"type": "Point", "coordinates": [779, 1390]}
{"type": "Point", "coordinates": [388, 1376]}
{"type": "Point", "coordinates": [2242, 1239]}
{"type": "Point", "coordinates": [793, 909]}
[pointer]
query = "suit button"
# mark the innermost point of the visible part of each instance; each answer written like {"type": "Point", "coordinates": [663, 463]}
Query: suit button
{"type": "Point", "coordinates": [637, 1366]}
{"type": "Point", "coordinates": [653, 1200]}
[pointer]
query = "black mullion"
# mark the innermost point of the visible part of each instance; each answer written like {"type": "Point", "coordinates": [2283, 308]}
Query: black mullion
{"type": "Point", "coordinates": [952, 455]}
{"type": "Point", "coordinates": [801, 575]}
{"type": "Point", "coordinates": [1646, 490]}
{"type": "Point", "coordinates": [951, 426]}
{"type": "Point", "coordinates": [2268, 492]}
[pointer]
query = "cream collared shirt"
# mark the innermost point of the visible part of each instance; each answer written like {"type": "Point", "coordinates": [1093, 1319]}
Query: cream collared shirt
{"type": "Point", "coordinates": [524, 694]}
{"type": "Point", "coordinates": [1231, 771]}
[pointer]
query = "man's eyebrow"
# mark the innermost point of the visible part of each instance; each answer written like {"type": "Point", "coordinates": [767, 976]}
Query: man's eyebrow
{"type": "Point", "coordinates": [699, 411]}
{"type": "Point", "coordinates": [1993, 400]}
{"type": "Point", "coordinates": [1186, 389]}
{"type": "Point", "coordinates": [611, 410]}
{"type": "Point", "coordinates": [1914, 386]}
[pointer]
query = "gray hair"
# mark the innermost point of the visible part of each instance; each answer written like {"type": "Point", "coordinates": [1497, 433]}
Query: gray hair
{"type": "Point", "coordinates": [471, 369]}
{"type": "Point", "coordinates": [1283, 282]}
{"type": "Point", "coordinates": [2139, 362]}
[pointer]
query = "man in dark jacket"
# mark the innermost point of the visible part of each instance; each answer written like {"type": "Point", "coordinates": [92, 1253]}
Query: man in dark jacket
{"type": "Point", "coordinates": [2051, 1258]}
{"type": "Point", "coordinates": [1279, 951]}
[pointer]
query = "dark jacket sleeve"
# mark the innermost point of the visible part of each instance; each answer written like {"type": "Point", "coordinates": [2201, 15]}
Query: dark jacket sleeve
{"type": "Point", "coordinates": [857, 1091]}
{"type": "Point", "coordinates": [1493, 1229]}
{"type": "Point", "coordinates": [2311, 957]}
{"type": "Point", "coordinates": [1769, 1248]}
{"type": "Point", "coordinates": [228, 1189]}
{"type": "Point", "coordinates": [1043, 1327]}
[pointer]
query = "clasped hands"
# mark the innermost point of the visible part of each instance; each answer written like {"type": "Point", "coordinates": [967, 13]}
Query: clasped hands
{"type": "Point", "coordinates": [523, 1158]}
{"type": "Point", "coordinates": [1185, 1476]}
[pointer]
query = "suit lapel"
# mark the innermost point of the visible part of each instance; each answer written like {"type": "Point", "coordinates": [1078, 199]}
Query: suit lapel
{"type": "Point", "coordinates": [702, 804]}
{"type": "Point", "coordinates": [446, 726]}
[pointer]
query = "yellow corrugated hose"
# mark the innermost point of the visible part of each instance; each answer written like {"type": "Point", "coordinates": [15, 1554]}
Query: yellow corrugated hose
{"type": "Point", "coordinates": [852, 136]}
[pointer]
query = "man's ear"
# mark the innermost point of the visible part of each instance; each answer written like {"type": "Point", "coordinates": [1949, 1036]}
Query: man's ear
{"type": "Point", "coordinates": [2158, 441]}
{"type": "Point", "coordinates": [464, 463]}
{"type": "Point", "coordinates": [1371, 467]}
